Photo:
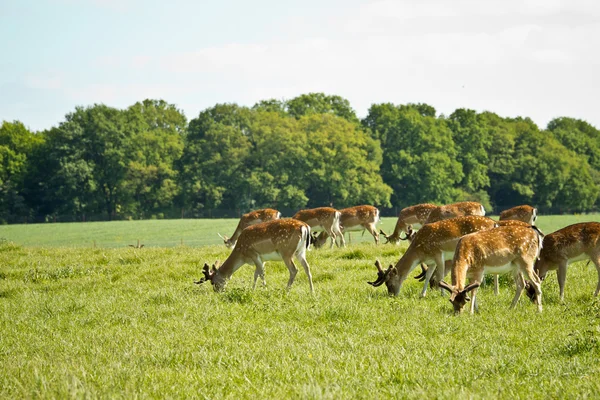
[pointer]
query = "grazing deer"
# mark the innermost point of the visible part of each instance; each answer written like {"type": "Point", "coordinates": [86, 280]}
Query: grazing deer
{"type": "Point", "coordinates": [577, 242]}
{"type": "Point", "coordinates": [251, 218]}
{"type": "Point", "coordinates": [352, 219]}
{"type": "Point", "coordinates": [495, 251]}
{"type": "Point", "coordinates": [413, 216]}
{"type": "Point", "coordinates": [279, 239]}
{"type": "Point", "coordinates": [523, 213]}
{"type": "Point", "coordinates": [323, 219]}
{"type": "Point", "coordinates": [455, 210]}
{"type": "Point", "coordinates": [432, 243]}
{"type": "Point", "coordinates": [507, 222]}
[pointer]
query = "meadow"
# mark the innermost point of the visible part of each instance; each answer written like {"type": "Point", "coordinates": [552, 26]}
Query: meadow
{"type": "Point", "coordinates": [112, 321]}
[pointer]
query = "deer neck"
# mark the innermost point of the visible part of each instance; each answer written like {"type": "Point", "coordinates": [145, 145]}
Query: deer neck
{"type": "Point", "coordinates": [407, 263]}
{"type": "Point", "coordinates": [229, 266]}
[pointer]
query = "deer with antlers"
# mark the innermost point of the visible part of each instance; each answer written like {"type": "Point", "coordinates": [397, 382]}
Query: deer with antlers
{"type": "Point", "coordinates": [432, 245]}
{"type": "Point", "coordinates": [251, 218]}
{"type": "Point", "coordinates": [357, 218]}
{"type": "Point", "coordinates": [409, 217]}
{"type": "Point", "coordinates": [577, 242]}
{"type": "Point", "coordinates": [455, 210]}
{"type": "Point", "coordinates": [279, 240]}
{"type": "Point", "coordinates": [422, 214]}
{"type": "Point", "coordinates": [523, 213]}
{"type": "Point", "coordinates": [495, 251]}
{"type": "Point", "coordinates": [325, 219]}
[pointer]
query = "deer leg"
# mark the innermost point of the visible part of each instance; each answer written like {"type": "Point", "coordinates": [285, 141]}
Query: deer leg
{"type": "Point", "coordinates": [520, 284]}
{"type": "Point", "coordinates": [341, 236]}
{"type": "Point", "coordinates": [259, 271]}
{"type": "Point", "coordinates": [304, 263]}
{"type": "Point", "coordinates": [333, 236]}
{"type": "Point", "coordinates": [439, 260]}
{"type": "Point", "coordinates": [293, 270]}
{"type": "Point", "coordinates": [561, 275]}
{"type": "Point", "coordinates": [596, 261]}
{"type": "Point", "coordinates": [474, 305]}
{"type": "Point", "coordinates": [496, 284]}
{"type": "Point", "coordinates": [373, 231]}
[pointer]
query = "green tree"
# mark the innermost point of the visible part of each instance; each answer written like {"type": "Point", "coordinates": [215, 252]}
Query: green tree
{"type": "Point", "coordinates": [157, 135]}
{"type": "Point", "coordinates": [17, 144]}
{"type": "Point", "coordinates": [344, 163]}
{"type": "Point", "coordinates": [419, 154]}
{"type": "Point", "coordinates": [320, 103]}
{"type": "Point", "coordinates": [212, 164]}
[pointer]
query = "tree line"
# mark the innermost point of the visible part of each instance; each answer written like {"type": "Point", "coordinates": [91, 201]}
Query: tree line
{"type": "Point", "coordinates": [148, 160]}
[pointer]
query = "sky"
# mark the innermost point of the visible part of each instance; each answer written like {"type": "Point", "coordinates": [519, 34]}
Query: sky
{"type": "Point", "coordinates": [529, 58]}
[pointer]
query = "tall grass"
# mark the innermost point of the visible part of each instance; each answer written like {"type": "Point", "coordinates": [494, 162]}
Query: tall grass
{"type": "Point", "coordinates": [129, 323]}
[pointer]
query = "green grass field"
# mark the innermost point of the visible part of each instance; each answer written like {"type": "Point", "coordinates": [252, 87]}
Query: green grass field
{"type": "Point", "coordinates": [119, 322]}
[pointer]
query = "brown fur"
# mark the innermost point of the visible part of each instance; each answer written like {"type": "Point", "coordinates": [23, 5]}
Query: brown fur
{"type": "Point", "coordinates": [251, 218]}
{"type": "Point", "coordinates": [515, 245]}
{"type": "Point", "coordinates": [325, 218]}
{"type": "Point", "coordinates": [286, 237]}
{"type": "Point", "coordinates": [455, 210]}
{"type": "Point", "coordinates": [523, 213]}
{"type": "Point", "coordinates": [416, 214]}
{"type": "Point", "coordinates": [355, 217]}
{"type": "Point", "coordinates": [512, 222]}
{"type": "Point", "coordinates": [430, 243]}
{"type": "Point", "coordinates": [580, 240]}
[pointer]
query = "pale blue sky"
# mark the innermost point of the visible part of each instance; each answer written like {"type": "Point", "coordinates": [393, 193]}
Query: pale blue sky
{"type": "Point", "coordinates": [536, 58]}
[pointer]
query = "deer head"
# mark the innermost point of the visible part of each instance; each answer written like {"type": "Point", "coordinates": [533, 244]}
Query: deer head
{"type": "Point", "coordinates": [386, 277]}
{"type": "Point", "coordinates": [459, 298]}
{"type": "Point", "coordinates": [210, 274]}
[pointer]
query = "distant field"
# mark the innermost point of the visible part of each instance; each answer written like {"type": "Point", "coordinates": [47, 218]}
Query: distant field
{"type": "Point", "coordinates": [169, 233]}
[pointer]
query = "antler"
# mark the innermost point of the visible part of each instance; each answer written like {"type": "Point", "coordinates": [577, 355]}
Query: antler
{"type": "Point", "coordinates": [409, 233]}
{"type": "Point", "coordinates": [381, 275]}
{"type": "Point", "coordinates": [208, 274]}
{"type": "Point", "coordinates": [421, 276]}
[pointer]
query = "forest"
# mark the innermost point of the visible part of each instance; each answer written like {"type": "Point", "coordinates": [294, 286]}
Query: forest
{"type": "Point", "coordinates": [149, 161]}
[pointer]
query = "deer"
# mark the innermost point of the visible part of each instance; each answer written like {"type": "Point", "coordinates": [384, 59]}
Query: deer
{"type": "Point", "coordinates": [577, 242]}
{"type": "Point", "coordinates": [251, 218]}
{"type": "Point", "coordinates": [523, 213]}
{"type": "Point", "coordinates": [413, 216]}
{"type": "Point", "coordinates": [423, 214]}
{"type": "Point", "coordinates": [357, 218]}
{"type": "Point", "coordinates": [506, 222]}
{"type": "Point", "coordinates": [323, 219]}
{"type": "Point", "coordinates": [275, 240]}
{"type": "Point", "coordinates": [495, 251]}
{"type": "Point", "coordinates": [455, 210]}
{"type": "Point", "coordinates": [435, 243]}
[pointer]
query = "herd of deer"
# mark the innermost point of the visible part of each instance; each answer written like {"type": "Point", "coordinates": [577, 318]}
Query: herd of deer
{"type": "Point", "coordinates": [456, 238]}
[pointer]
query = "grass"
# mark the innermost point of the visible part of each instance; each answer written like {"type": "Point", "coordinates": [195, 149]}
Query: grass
{"type": "Point", "coordinates": [129, 323]}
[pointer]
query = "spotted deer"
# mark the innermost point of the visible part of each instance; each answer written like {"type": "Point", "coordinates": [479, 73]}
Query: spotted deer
{"type": "Point", "coordinates": [422, 214]}
{"type": "Point", "coordinates": [495, 251]}
{"type": "Point", "coordinates": [357, 218]}
{"type": "Point", "coordinates": [323, 219]}
{"type": "Point", "coordinates": [409, 218]}
{"type": "Point", "coordinates": [277, 240]}
{"type": "Point", "coordinates": [455, 210]}
{"type": "Point", "coordinates": [577, 242]}
{"type": "Point", "coordinates": [432, 245]}
{"type": "Point", "coordinates": [248, 219]}
{"type": "Point", "coordinates": [523, 213]}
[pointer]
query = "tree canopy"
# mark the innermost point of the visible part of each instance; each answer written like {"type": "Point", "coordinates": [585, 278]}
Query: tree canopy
{"type": "Point", "coordinates": [147, 161]}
